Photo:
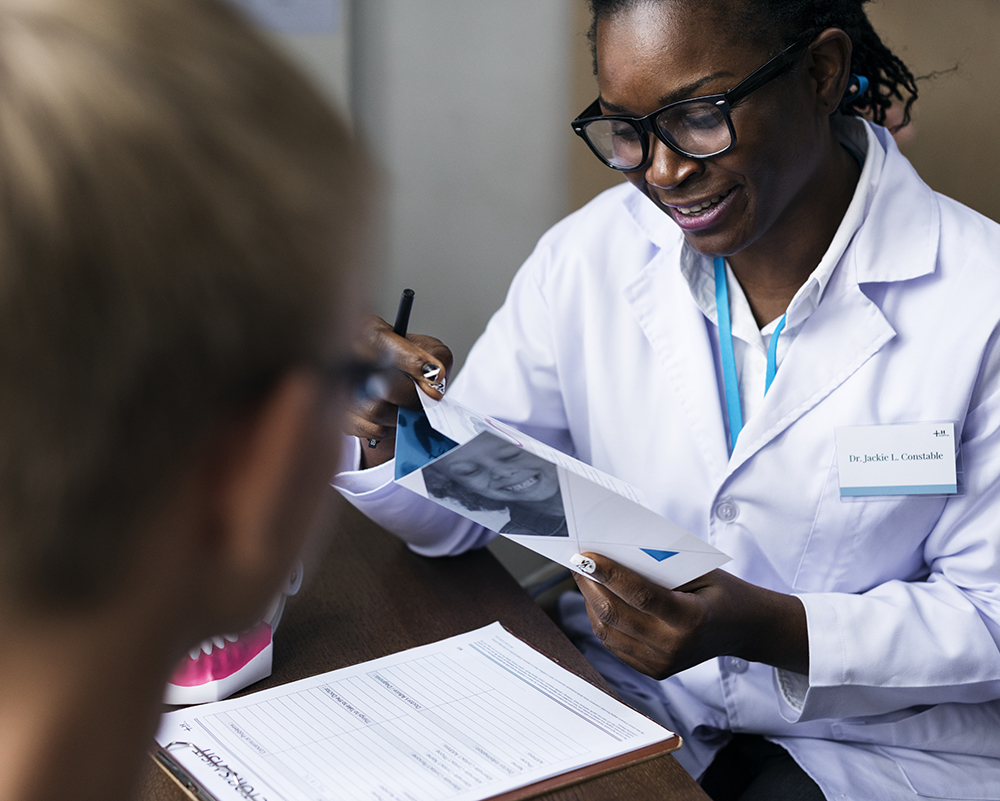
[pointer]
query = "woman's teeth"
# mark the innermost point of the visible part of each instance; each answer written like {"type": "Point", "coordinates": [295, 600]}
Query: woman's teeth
{"type": "Point", "coordinates": [691, 211]}
{"type": "Point", "coordinates": [522, 485]}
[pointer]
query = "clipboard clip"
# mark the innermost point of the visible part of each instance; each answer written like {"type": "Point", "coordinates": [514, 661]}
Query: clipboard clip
{"type": "Point", "coordinates": [180, 774]}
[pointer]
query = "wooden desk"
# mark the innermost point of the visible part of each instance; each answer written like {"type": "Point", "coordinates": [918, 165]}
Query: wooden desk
{"type": "Point", "coordinates": [371, 596]}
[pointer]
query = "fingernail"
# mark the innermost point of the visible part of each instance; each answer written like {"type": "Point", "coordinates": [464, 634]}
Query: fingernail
{"type": "Point", "coordinates": [584, 563]}
{"type": "Point", "coordinates": [430, 371]}
{"type": "Point", "coordinates": [372, 443]}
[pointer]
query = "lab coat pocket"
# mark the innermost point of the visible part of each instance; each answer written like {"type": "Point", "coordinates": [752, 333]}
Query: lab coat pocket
{"type": "Point", "coordinates": [856, 544]}
{"type": "Point", "coordinates": [948, 777]}
{"type": "Point", "coordinates": [952, 728]}
{"type": "Point", "coordinates": [947, 751]}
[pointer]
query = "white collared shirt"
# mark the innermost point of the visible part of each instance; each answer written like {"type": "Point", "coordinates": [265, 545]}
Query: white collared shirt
{"type": "Point", "coordinates": [750, 343]}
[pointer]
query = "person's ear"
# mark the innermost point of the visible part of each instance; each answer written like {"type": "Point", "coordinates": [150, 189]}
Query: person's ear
{"type": "Point", "coordinates": [271, 473]}
{"type": "Point", "coordinates": [829, 64]}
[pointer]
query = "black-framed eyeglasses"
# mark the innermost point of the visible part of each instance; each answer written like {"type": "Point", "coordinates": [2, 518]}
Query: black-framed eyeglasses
{"type": "Point", "coordinates": [699, 128]}
{"type": "Point", "coordinates": [364, 380]}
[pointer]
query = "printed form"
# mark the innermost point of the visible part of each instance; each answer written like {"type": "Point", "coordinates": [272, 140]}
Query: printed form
{"type": "Point", "coordinates": [466, 718]}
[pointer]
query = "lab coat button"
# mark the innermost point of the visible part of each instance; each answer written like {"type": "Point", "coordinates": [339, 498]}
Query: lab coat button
{"type": "Point", "coordinates": [727, 511]}
{"type": "Point", "coordinates": [736, 665]}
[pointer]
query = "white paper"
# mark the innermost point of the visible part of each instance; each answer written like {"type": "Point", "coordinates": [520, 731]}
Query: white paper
{"type": "Point", "coordinates": [462, 424]}
{"type": "Point", "coordinates": [901, 459]}
{"type": "Point", "coordinates": [603, 514]}
{"type": "Point", "coordinates": [465, 718]}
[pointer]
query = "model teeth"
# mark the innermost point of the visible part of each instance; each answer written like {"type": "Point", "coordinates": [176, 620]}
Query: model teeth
{"type": "Point", "coordinates": [690, 211]}
{"type": "Point", "coordinates": [212, 644]}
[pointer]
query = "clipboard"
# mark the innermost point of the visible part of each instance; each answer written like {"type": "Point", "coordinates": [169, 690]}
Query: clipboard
{"type": "Point", "coordinates": [591, 772]}
{"type": "Point", "coordinates": [500, 659]}
{"type": "Point", "coordinates": [194, 791]}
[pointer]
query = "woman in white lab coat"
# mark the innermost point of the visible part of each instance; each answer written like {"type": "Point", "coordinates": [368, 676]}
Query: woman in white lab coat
{"type": "Point", "coordinates": [859, 636]}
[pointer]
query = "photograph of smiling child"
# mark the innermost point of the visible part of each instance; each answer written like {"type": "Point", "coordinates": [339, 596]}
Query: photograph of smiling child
{"type": "Point", "coordinates": [490, 473]}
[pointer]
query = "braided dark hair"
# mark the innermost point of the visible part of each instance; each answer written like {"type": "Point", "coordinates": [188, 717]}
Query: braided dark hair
{"type": "Point", "coordinates": [793, 20]}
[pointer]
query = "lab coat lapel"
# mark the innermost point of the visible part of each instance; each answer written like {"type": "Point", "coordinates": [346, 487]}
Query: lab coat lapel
{"type": "Point", "coordinates": [677, 332]}
{"type": "Point", "coordinates": [848, 328]}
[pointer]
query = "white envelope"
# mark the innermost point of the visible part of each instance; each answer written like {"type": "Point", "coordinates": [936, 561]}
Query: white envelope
{"type": "Point", "coordinates": [544, 500]}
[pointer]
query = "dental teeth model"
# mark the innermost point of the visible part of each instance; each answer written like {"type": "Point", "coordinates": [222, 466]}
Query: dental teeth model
{"type": "Point", "coordinates": [222, 665]}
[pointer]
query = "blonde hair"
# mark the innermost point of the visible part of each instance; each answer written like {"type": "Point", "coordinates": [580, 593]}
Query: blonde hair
{"type": "Point", "coordinates": [177, 207]}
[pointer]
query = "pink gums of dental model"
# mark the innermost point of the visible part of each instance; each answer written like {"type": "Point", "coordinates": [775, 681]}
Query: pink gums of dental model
{"type": "Point", "coordinates": [221, 666]}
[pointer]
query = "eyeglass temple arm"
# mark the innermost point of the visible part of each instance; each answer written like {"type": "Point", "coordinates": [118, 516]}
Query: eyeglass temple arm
{"type": "Point", "coordinates": [755, 80]}
{"type": "Point", "coordinates": [591, 111]}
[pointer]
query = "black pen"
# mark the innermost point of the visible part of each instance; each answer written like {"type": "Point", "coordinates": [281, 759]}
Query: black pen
{"type": "Point", "coordinates": [399, 329]}
{"type": "Point", "coordinates": [403, 313]}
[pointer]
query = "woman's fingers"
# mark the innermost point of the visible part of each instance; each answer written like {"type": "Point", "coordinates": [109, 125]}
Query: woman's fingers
{"type": "Point", "coordinates": [416, 358]}
{"type": "Point", "coordinates": [431, 374]}
{"type": "Point", "coordinates": [635, 653]}
{"type": "Point", "coordinates": [637, 594]}
{"type": "Point", "coordinates": [405, 364]}
{"type": "Point", "coordinates": [653, 629]}
{"type": "Point", "coordinates": [365, 427]}
{"type": "Point", "coordinates": [661, 631]}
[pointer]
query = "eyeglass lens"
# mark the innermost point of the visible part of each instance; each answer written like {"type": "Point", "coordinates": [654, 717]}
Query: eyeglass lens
{"type": "Point", "coordinates": [696, 128]}
{"type": "Point", "coordinates": [363, 380]}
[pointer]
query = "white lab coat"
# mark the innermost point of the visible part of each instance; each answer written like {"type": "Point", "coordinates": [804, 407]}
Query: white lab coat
{"type": "Point", "coordinates": [601, 350]}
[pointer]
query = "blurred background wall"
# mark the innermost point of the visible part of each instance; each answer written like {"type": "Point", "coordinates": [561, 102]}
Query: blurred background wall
{"type": "Point", "coordinates": [466, 107]}
{"type": "Point", "coordinates": [953, 142]}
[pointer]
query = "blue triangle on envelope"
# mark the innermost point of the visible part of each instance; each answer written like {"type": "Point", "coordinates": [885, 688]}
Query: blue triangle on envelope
{"type": "Point", "coordinates": [659, 556]}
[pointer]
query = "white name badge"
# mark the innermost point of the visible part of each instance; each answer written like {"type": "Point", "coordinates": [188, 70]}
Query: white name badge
{"type": "Point", "coordinates": [902, 459]}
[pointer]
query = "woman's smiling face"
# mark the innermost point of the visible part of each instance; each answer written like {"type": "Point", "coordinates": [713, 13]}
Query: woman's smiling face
{"type": "Point", "coordinates": [656, 53]}
{"type": "Point", "coordinates": [502, 471]}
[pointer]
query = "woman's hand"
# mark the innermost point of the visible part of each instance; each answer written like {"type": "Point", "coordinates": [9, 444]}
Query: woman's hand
{"type": "Point", "coordinates": [423, 359]}
{"type": "Point", "coordinates": [660, 632]}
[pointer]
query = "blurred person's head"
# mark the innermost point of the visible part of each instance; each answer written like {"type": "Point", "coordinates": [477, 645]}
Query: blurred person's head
{"type": "Point", "coordinates": [178, 212]}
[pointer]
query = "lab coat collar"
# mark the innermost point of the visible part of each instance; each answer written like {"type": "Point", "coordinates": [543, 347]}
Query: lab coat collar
{"type": "Point", "coordinates": [699, 270]}
{"type": "Point", "coordinates": [904, 242]}
{"type": "Point", "coordinates": [902, 246]}
{"type": "Point", "coordinates": [847, 328]}
{"type": "Point", "coordinates": [655, 224]}
{"type": "Point", "coordinates": [897, 241]}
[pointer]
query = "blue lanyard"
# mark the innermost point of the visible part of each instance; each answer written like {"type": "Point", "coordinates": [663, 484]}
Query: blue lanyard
{"type": "Point", "coordinates": [733, 407]}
